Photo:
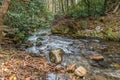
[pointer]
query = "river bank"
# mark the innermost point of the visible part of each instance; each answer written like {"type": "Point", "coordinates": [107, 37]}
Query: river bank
{"type": "Point", "coordinates": [105, 27]}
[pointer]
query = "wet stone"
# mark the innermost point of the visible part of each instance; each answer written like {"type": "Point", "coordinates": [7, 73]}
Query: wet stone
{"type": "Point", "coordinates": [98, 77]}
{"type": "Point", "coordinates": [99, 64]}
{"type": "Point", "coordinates": [113, 74]}
{"type": "Point", "coordinates": [104, 48]}
{"type": "Point", "coordinates": [29, 44]}
{"type": "Point", "coordinates": [115, 65]}
{"type": "Point", "coordinates": [38, 43]}
{"type": "Point", "coordinates": [96, 57]}
{"type": "Point", "coordinates": [80, 71]}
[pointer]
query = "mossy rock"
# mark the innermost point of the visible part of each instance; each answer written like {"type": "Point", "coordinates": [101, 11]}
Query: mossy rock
{"type": "Point", "coordinates": [55, 55]}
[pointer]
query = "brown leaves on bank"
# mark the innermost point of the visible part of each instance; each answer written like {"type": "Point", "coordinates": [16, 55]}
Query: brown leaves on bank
{"type": "Point", "coordinates": [22, 66]}
{"type": "Point", "coordinates": [18, 65]}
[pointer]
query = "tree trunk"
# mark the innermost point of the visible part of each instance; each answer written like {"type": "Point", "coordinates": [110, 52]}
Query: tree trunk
{"type": "Point", "coordinates": [62, 6]}
{"type": "Point", "coordinates": [3, 10]}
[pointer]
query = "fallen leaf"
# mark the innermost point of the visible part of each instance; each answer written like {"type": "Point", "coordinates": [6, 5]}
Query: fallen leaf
{"type": "Point", "coordinates": [2, 56]}
{"type": "Point", "coordinates": [12, 77]}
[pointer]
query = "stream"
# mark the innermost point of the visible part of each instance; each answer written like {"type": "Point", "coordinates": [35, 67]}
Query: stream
{"type": "Point", "coordinates": [77, 51]}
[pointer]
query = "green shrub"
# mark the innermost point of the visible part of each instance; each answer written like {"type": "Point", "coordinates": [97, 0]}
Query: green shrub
{"type": "Point", "coordinates": [26, 17]}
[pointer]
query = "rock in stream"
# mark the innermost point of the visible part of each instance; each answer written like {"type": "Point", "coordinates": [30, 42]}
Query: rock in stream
{"type": "Point", "coordinates": [55, 55]}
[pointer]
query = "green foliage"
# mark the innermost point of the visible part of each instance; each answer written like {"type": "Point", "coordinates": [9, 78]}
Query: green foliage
{"type": "Point", "coordinates": [84, 24]}
{"type": "Point", "coordinates": [27, 17]}
{"type": "Point", "coordinates": [86, 8]}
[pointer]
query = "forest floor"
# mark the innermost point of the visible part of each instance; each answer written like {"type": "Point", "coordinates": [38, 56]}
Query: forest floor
{"type": "Point", "coordinates": [19, 65]}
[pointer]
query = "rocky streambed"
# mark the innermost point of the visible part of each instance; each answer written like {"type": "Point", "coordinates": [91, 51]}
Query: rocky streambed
{"type": "Point", "coordinates": [100, 59]}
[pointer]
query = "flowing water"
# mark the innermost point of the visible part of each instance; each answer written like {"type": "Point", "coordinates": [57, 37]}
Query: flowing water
{"type": "Point", "coordinates": [77, 51]}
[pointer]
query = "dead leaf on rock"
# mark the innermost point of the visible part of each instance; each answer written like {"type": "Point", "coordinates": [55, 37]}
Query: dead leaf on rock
{"type": "Point", "coordinates": [71, 67]}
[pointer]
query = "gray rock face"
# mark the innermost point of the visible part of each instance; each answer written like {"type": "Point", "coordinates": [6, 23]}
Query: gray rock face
{"type": "Point", "coordinates": [55, 55]}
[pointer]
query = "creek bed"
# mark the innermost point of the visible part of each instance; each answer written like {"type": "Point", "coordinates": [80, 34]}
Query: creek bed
{"type": "Point", "coordinates": [77, 51]}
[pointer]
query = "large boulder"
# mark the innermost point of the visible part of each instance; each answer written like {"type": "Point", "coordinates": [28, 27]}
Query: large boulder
{"type": "Point", "coordinates": [60, 30]}
{"type": "Point", "coordinates": [55, 55]}
{"type": "Point", "coordinates": [63, 26]}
